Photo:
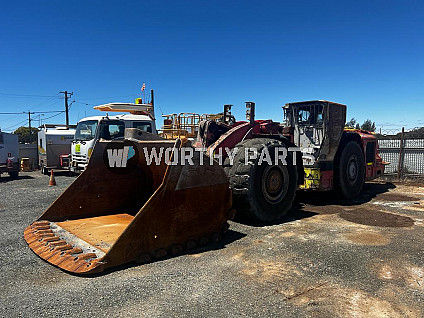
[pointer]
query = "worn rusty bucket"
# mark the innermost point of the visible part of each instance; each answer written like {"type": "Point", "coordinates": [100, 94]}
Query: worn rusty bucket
{"type": "Point", "coordinates": [129, 206]}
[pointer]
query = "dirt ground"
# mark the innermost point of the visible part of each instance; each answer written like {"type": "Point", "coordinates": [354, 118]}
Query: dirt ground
{"type": "Point", "coordinates": [331, 258]}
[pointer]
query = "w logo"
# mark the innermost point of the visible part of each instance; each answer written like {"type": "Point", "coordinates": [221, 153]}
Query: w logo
{"type": "Point", "coordinates": [119, 157]}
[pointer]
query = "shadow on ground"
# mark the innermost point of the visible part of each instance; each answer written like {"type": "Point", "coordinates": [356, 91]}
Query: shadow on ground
{"type": "Point", "coordinates": [369, 191]}
{"type": "Point", "coordinates": [358, 212]}
{"type": "Point", "coordinates": [296, 213]}
{"type": "Point", "coordinates": [228, 238]}
{"type": "Point", "coordinates": [310, 203]}
{"type": "Point", "coordinates": [61, 173]}
{"type": "Point", "coordinates": [8, 179]}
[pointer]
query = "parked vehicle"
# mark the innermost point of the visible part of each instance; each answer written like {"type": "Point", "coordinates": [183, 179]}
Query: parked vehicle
{"type": "Point", "coordinates": [54, 147]}
{"type": "Point", "coordinates": [108, 127]}
{"type": "Point", "coordinates": [9, 154]}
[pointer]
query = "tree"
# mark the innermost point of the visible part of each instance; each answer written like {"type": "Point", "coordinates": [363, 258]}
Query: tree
{"type": "Point", "coordinates": [24, 136]}
{"type": "Point", "coordinates": [351, 123]}
{"type": "Point", "coordinates": [416, 133]}
{"type": "Point", "coordinates": [358, 126]}
{"type": "Point", "coordinates": [368, 125]}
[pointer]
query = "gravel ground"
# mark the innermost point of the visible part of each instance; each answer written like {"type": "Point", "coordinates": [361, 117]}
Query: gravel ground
{"type": "Point", "coordinates": [361, 258]}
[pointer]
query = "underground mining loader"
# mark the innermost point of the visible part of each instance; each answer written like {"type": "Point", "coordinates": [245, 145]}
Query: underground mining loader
{"type": "Point", "coordinates": [321, 155]}
{"type": "Point", "coordinates": [129, 206]}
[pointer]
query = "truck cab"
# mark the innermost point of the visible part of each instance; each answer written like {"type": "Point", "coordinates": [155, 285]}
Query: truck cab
{"type": "Point", "coordinates": [91, 129]}
{"type": "Point", "coordinates": [333, 156]}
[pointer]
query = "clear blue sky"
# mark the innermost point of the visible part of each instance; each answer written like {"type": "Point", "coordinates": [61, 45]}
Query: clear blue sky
{"type": "Point", "coordinates": [199, 55]}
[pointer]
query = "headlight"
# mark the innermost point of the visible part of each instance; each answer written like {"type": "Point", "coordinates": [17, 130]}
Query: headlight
{"type": "Point", "coordinates": [90, 150]}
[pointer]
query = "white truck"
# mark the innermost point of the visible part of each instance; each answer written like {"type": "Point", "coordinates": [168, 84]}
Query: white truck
{"type": "Point", "coordinates": [91, 129]}
{"type": "Point", "coordinates": [9, 154]}
{"type": "Point", "coordinates": [54, 147]}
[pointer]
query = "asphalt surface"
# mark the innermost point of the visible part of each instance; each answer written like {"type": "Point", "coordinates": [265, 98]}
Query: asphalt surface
{"type": "Point", "coordinates": [332, 258]}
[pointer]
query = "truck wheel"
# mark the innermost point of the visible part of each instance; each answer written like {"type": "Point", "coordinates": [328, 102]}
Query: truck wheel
{"type": "Point", "coordinates": [261, 191]}
{"type": "Point", "coordinates": [14, 174]}
{"type": "Point", "coordinates": [351, 170]}
{"type": "Point", "coordinates": [44, 170]}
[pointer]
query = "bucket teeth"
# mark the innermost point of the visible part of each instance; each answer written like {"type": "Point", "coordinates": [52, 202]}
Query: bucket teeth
{"type": "Point", "coordinates": [64, 248]}
{"type": "Point", "coordinates": [56, 251]}
{"type": "Point", "coordinates": [50, 239]}
{"type": "Point", "coordinates": [46, 235]}
{"type": "Point", "coordinates": [58, 243]}
{"type": "Point", "coordinates": [73, 251]}
{"type": "Point", "coordinates": [41, 223]}
{"type": "Point", "coordinates": [41, 227]}
{"type": "Point", "coordinates": [86, 256]}
{"type": "Point", "coordinates": [43, 232]}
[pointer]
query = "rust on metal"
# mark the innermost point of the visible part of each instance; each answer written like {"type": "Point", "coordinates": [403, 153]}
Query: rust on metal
{"type": "Point", "coordinates": [104, 219]}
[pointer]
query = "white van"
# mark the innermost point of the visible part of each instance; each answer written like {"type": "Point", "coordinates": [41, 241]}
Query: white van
{"type": "Point", "coordinates": [9, 154]}
{"type": "Point", "coordinates": [91, 129]}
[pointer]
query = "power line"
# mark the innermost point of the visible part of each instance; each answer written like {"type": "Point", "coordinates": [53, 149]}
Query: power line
{"type": "Point", "coordinates": [47, 101]}
{"type": "Point", "coordinates": [87, 104]}
{"type": "Point", "coordinates": [39, 112]}
{"type": "Point", "coordinates": [54, 115]}
{"type": "Point", "coordinates": [26, 95]}
{"type": "Point", "coordinates": [107, 97]}
{"type": "Point", "coordinates": [15, 125]}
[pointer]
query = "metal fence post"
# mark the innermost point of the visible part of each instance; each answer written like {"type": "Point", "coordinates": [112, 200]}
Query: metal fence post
{"type": "Point", "coordinates": [400, 163]}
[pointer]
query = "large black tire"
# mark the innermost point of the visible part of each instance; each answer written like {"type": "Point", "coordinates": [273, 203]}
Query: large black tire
{"type": "Point", "coordinates": [261, 191]}
{"type": "Point", "coordinates": [351, 170]}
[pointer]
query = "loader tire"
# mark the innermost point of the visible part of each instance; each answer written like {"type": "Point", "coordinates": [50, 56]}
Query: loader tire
{"type": "Point", "coordinates": [351, 170]}
{"type": "Point", "coordinates": [261, 192]}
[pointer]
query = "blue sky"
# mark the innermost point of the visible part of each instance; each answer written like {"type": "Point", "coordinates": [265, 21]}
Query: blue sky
{"type": "Point", "coordinates": [199, 55]}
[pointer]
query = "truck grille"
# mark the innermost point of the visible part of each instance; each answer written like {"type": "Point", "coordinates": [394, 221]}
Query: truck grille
{"type": "Point", "coordinates": [79, 159]}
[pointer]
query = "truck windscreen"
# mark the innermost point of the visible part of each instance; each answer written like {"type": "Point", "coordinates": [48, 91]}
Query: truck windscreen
{"type": "Point", "coordinates": [112, 129]}
{"type": "Point", "coordinates": [142, 125]}
{"type": "Point", "coordinates": [86, 130]}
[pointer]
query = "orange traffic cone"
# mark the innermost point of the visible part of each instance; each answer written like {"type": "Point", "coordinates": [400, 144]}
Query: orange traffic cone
{"type": "Point", "coordinates": [52, 181]}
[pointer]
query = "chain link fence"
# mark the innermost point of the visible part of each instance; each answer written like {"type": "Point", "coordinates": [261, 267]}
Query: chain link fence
{"type": "Point", "coordinates": [406, 157]}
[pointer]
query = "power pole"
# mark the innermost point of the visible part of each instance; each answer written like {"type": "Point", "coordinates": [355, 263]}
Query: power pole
{"type": "Point", "coordinates": [29, 124]}
{"type": "Point", "coordinates": [66, 105]}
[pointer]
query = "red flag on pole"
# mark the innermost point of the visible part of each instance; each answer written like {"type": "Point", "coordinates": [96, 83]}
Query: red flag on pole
{"type": "Point", "coordinates": [143, 87]}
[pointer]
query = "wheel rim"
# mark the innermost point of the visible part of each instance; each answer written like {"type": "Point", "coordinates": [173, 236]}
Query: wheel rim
{"type": "Point", "coordinates": [352, 169]}
{"type": "Point", "coordinates": [274, 187]}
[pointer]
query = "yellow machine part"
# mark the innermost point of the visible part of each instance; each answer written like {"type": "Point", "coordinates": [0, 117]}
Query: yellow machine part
{"type": "Point", "coordinates": [312, 179]}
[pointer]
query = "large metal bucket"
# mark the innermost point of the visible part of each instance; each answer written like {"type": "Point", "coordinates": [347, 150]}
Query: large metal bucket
{"type": "Point", "coordinates": [112, 215]}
